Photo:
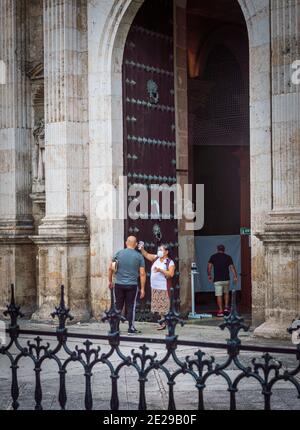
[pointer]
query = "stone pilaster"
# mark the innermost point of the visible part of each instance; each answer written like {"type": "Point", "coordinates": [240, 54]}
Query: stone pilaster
{"type": "Point", "coordinates": [281, 235]}
{"type": "Point", "coordinates": [17, 259]}
{"type": "Point", "coordinates": [185, 237]}
{"type": "Point", "coordinates": [63, 235]}
{"type": "Point", "coordinates": [258, 24]}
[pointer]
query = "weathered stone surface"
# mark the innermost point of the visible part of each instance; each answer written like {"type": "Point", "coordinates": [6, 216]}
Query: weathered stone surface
{"type": "Point", "coordinates": [16, 222]}
{"type": "Point", "coordinates": [281, 232]}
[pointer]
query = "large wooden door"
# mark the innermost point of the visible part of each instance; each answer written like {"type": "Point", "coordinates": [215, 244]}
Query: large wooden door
{"type": "Point", "coordinates": [149, 119]}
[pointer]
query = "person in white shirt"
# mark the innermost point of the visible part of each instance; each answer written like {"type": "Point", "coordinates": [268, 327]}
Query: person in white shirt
{"type": "Point", "coordinates": [162, 272]}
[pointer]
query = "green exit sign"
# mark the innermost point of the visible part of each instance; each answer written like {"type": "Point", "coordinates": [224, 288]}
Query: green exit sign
{"type": "Point", "coordinates": [245, 231]}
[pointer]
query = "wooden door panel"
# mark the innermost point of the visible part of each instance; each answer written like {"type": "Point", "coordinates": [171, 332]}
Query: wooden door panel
{"type": "Point", "coordinates": [149, 116]}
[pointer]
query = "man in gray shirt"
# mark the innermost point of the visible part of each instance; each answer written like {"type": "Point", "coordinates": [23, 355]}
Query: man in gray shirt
{"type": "Point", "coordinates": [130, 266]}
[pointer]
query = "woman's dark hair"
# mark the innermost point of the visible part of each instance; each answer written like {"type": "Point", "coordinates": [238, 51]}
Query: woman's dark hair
{"type": "Point", "coordinates": [167, 248]}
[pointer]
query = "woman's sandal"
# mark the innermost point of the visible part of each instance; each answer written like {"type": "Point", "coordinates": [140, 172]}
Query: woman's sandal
{"type": "Point", "coordinates": [162, 327]}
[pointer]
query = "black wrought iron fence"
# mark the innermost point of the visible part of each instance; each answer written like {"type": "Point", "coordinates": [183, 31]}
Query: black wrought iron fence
{"type": "Point", "coordinates": [266, 371]}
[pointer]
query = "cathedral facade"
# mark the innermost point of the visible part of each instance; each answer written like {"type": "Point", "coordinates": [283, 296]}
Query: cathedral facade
{"type": "Point", "coordinates": [68, 67]}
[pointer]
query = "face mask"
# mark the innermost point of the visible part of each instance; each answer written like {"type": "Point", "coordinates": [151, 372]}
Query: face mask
{"type": "Point", "coordinates": [160, 253]}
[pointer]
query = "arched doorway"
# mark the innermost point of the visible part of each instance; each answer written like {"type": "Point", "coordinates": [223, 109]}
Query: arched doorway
{"type": "Point", "coordinates": [112, 22]}
{"type": "Point", "coordinates": [219, 136]}
{"type": "Point", "coordinates": [257, 211]}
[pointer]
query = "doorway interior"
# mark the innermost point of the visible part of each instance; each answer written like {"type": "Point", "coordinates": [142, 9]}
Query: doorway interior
{"type": "Point", "coordinates": [219, 130]}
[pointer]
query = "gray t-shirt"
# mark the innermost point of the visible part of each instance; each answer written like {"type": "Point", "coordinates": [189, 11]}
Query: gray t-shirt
{"type": "Point", "coordinates": [129, 263]}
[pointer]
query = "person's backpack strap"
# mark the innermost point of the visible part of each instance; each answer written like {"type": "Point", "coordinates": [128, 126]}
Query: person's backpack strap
{"type": "Point", "coordinates": [169, 280]}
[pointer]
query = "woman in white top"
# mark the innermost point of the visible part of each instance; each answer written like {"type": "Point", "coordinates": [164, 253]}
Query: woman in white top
{"type": "Point", "coordinates": [162, 272]}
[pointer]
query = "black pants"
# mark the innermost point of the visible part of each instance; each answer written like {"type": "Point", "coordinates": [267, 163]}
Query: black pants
{"type": "Point", "coordinates": [126, 295]}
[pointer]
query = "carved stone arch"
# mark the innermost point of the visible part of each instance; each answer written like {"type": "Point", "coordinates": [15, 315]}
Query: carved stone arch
{"type": "Point", "coordinates": [249, 8]}
{"type": "Point", "coordinates": [116, 28]}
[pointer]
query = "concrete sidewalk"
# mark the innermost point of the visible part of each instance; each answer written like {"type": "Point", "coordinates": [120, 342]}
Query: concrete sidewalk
{"type": "Point", "coordinates": [203, 330]}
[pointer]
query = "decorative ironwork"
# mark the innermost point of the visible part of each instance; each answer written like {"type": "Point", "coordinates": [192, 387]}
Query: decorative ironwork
{"type": "Point", "coordinates": [147, 140]}
{"type": "Point", "coordinates": [267, 371]}
{"type": "Point", "coordinates": [144, 103]}
{"type": "Point", "coordinates": [150, 69]}
{"type": "Point", "coordinates": [152, 89]}
{"type": "Point", "coordinates": [157, 179]}
{"type": "Point", "coordinates": [61, 312]}
{"type": "Point", "coordinates": [13, 311]}
{"type": "Point", "coordinates": [157, 233]}
{"type": "Point", "coordinates": [131, 82]}
{"type": "Point", "coordinates": [131, 119]}
{"type": "Point", "coordinates": [150, 33]}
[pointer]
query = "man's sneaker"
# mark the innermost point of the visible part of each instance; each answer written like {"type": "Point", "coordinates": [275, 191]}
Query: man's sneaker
{"type": "Point", "coordinates": [227, 311]}
{"type": "Point", "coordinates": [133, 330]}
{"type": "Point", "coordinates": [220, 314]}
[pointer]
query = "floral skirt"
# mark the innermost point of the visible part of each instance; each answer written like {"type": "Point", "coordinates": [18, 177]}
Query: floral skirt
{"type": "Point", "coordinates": [160, 301]}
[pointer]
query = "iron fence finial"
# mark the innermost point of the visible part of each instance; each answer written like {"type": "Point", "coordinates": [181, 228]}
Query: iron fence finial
{"type": "Point", "coordinates": [234, 323]}
{"type": "Point", "coordinates": [61, 311]}
{"type": "Point", "coordinates": [13, 311]}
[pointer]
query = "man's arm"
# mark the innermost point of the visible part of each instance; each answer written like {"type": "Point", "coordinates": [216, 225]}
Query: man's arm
{"type": "Point", "coordinates": [110, 276]}
{"type": "Point", "coordinates": [209, 270]}
{"type": "Point", "coordinates": [235, 275]}
{"type": "Point", "coordinates": [143, 281]}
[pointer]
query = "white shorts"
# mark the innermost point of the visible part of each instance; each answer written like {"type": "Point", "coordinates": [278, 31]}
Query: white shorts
{"type": "Point", "coordinates": [221, 287]}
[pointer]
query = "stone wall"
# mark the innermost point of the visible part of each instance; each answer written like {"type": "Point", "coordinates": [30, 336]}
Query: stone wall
{"type": "Point", "coordinates": [17, 262]}
{"type": "Point", "coordinates": [281, 235]}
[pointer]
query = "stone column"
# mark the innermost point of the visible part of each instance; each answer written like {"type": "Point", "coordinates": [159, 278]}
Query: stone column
{"type": "Point", "coordinates": [63, 239]}
{"type": "Point", "coordinates": [258, 24]}
{"type": "Point", "coordinates": [281, 235]}
{"type": "Point", "coordinates": [185, 237]}
{"type": "Point", "coordinates": [108, 25]}
{"type": "Point", "coordinates": [17, 259]}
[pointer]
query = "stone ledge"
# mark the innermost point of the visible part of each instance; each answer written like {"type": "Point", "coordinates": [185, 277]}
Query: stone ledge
{"type": "Point", "coordinates": [11, 239]}
{"type": "Point", "coordinates": [60, 240]}
{"type": "Point", "coordinates": [43, 315]}
{"type": "Point", "coordinates": [66, 230]}
{"type": "Point", "coordinates": [14, 227]}
{"type": "Point", "coordinates": [277, 237]}
{"type": "Point", "coordinates": [272, 330]}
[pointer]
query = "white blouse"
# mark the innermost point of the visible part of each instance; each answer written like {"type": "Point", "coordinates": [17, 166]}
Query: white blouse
{"type": "Point", "coordinates": [158, 280]}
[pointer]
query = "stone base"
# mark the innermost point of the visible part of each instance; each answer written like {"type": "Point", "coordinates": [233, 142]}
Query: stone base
{"type": "Point", "coordinates": [272, 330]}
{"type": "Point", "coordinates": [281, 240]}
{"type": "Point", "coordinates": [17, 266]}
{"type": "Point", "coordinates": [63, 259]}
{"type": "Point", "coordinates": [43, 314]}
